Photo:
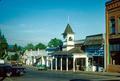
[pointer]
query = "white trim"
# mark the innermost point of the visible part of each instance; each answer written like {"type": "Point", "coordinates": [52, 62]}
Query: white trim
{"type": "Point", "coordinates": [67, 64]}
{"type": "Point", "coordinates": [61, 63]}
{"type": "Point", "coordinates": [56, 64]}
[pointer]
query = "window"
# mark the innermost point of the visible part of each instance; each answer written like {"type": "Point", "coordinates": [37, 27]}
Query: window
{"type": "Point", "coordinates": [111, 49]}
{"type": "Point", "coordinates": [115, 47]}
{"type": "Point", "coordinates": [112, 26]}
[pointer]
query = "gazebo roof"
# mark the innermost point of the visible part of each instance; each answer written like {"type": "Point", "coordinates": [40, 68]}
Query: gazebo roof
{"type": "Point", "coordinates": [76, 50]}
{"type": "Point", "coordinates": [70, 52]}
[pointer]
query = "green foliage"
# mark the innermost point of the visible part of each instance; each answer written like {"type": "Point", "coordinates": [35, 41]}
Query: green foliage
{"type": "Point", "coordinates": [15, 48]}
{"type": "Point", "coordinates": [29, 46]}
{"type": "Point", "coordinates": [3, 45]}
{"type": "Point", "coordinates": [15, 57]}
{"type": "Point", "coordinates": [55, 42]}
{"type": "Point", "coordinates": [40, 46]}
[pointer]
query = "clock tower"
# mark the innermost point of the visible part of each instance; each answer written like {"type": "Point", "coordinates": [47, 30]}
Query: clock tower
{"type": "Point", "coordinates": [68, 36]}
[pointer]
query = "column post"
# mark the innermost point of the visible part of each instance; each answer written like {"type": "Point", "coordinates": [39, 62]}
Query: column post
{"type": "Point", "coordinates": [61, 63]}
{"type": "Point", "coordinates": [51, 63]}
{"type": "Point", "coordinates": [66, 63]}
{"type": "Point", "coordinates": [73, 64]}
{"type": "Point", "coordinates": [86, 67]}
{"type": "Point", "coordinates": [56, 63]}
{"type": "Point", "coordinates": [47, 62]}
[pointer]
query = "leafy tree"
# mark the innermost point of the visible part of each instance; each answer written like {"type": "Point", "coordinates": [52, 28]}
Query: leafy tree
{"type": "Point", "coordinates": [29, 46]}
{"type": "Point", "coordinates": [19, 48]}
{"type": "Point", "coordinates": [55, 43]}
{"type": "Point", "coordinates": [3, 45]}
{"type": "Point", "coordinates": [15, 57]}
{"type": "Point", "coordinates": [15, 48]}
{"type": "Point", "coordinates": [40, 46]}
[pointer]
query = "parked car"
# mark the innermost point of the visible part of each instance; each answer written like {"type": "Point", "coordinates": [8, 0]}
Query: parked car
{"type": "Point", "coordinates": [8, 70]}
{"type": "Point", "coordinates": [5, 70]}
{"type": "Point", "coordinates": [41, 67]}
{"type": "Point", "coordinates": [18, 69]}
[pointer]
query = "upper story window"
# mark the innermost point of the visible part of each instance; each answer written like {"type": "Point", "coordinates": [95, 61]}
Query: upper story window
{"type": "Point", "coordinates": [112, 25]}
{"type": "Point", "coordinates": [70, 39]}
{"type": "Point", "coordinates": [115, 47]}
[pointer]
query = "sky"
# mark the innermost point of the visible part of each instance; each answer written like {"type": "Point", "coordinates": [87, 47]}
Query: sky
{"type": "Point", "coordinates": [35, 21]}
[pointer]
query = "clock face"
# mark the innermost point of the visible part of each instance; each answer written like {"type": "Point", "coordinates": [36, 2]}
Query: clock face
{"type": "Point", "coordinates": [70, 39]}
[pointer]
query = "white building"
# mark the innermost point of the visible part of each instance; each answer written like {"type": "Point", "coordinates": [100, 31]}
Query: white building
{"type": "Point", "coordinates": [34, 57]}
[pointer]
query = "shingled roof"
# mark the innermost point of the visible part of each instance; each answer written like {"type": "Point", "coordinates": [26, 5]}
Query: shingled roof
{"type": "Point", "coordinates": [94, 39]}
{"type": "Point", "coordinates": [70, 52]}
{"type": "Point", "coordinates": [76, 50]}
{"type": "Point", "coordinates": [68, 30]}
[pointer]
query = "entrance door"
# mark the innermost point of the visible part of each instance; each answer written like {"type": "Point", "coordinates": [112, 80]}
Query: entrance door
{"type": "Point", "coordinates": [80, 62]}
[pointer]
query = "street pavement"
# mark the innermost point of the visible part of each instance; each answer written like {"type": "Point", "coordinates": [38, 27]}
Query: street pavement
{"type": "Point", "coordinates": [32, 74]}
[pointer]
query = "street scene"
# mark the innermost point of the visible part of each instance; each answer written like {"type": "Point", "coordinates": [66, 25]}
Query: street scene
{"type": "Point", "coordinates": [59, 40]}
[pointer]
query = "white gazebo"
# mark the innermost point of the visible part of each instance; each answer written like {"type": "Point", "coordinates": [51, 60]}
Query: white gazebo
{"type": "Point", "coordinates": [74, 59]}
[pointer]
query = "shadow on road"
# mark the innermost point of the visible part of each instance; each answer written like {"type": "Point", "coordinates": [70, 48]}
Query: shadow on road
{"type": "Point", "coordinates": [79, 80]}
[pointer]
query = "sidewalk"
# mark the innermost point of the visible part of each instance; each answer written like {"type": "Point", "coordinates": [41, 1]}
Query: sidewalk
{"type": "Point", "coordinates": [99, 73]}
{"type": "Point", "coordinates": [89, 73]}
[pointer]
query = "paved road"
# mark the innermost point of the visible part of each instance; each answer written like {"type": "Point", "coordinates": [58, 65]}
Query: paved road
{"type": "Point", "coordinates": [35, 75]}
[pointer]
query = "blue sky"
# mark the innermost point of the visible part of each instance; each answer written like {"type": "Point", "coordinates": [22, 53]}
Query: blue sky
{"type": "Point", "coordinates": [34, 21]}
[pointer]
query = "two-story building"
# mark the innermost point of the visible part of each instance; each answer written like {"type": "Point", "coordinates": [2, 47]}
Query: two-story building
{"type": "Point", "coordinates": [94, 47]}
{"type": "Point", "coordinates": [113, 36]}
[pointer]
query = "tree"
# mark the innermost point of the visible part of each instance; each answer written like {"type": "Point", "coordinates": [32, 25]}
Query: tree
{"type": "Point", "coordinates": [55, 43]}
{"type": "Point", "coordinates": [3, 45]}
{"type": "Point", "coordinates": [15, 57]}
{"type": "Point", "coordinates": [29, 46]}
{"type": "Point", "coordinates": [15, 48]}
{"type": "Point", "coordinates": [40, 46]}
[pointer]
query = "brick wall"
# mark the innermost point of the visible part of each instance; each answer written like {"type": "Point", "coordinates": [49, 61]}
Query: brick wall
{"type": "Point", "coordinates": [113, 68]}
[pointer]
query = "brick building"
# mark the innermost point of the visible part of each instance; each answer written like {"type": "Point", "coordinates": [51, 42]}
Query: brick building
{"type": "Point", "coordinates": [113, 35]}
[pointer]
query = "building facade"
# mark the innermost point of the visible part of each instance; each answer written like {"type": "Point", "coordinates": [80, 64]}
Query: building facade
{"type": "Point", "coordinates": [94, 47]}
{"type": "Point", "coordinates": [34, 57]}
{"type": "Point", "coordinates": [113, 35]}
